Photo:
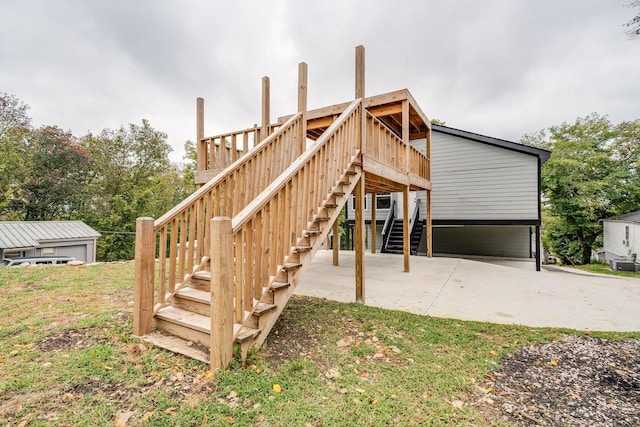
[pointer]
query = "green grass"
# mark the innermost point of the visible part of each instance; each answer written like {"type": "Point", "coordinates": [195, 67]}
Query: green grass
{"type": "Point", "coordinates": [67, 357]}
{"type": "Point", "coordinates": [604, 269]}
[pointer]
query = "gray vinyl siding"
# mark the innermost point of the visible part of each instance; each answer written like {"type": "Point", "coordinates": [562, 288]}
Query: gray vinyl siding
{"type": "Point", "coordinates": [477, 181]}
{"type": "Point", "coordinates": [501, 241]}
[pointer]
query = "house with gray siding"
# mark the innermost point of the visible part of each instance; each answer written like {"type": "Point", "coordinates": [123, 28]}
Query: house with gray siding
{"type": "Point", "coordinates": [48, 238]}
{"type": "Point", "coordinates": [485, 199]}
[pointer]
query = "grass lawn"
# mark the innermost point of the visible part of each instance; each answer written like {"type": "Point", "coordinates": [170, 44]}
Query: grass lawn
{"type": "Point", "coordinates": [67, 358]}
{"type": "Point", "coordinates": [604, 269]}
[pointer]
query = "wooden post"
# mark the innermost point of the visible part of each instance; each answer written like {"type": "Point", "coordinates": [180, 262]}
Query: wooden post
{"type": "Point", "coordinates": [201, 148]}
{"type": "Point", "coordinates": [221, 292]}
{"type": "Point", "coordinates": [373, 223]}
{"type": "Point", "coordinates": [359, 238]}
{"type": "Point", "coordinates": [266, 108]}
{"type": "Point", "coordinates": [302, 106]}
{"type": "Point", "coordinates": [336, 242]}
{"type": "Point", "coordinates": [359, 189]}
{"type": "Point", "coordinates": [406, 241]}
{"type": "Point", "coordinates": [360, 72]}
{"type": "Point", "coordinates": [145, 257]}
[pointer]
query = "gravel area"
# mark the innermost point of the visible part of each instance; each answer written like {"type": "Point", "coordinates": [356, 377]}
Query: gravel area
{"type": "Point", "coordinates": [578, 381]}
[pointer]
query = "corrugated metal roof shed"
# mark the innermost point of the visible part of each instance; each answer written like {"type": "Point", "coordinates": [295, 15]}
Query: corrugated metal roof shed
{"type": "Point", "coordinates": [29, 234]}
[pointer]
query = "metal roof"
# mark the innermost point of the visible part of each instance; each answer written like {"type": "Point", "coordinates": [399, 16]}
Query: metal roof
{"type": "Point", "coordinates": [29, 234]}
{"type": "Point", "coordinates": [630, 217]}
{"type": "Point", "coordinates": [496, 142]}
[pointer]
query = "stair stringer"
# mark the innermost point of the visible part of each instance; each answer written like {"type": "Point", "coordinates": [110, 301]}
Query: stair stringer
{"type": "Point", "coordinates": [340, 194]}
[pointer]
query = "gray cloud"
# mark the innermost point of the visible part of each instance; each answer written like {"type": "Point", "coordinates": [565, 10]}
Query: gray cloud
{"type": "Point", "coordinates": [498, 67]}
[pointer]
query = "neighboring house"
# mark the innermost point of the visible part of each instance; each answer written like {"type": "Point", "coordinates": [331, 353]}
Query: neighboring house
{"type": "Point", "coordinates": [622, 236]}
{"type": "Point", "coordinates": [41, 238]}
{"type": "Point", "coordinates": [486, 196]}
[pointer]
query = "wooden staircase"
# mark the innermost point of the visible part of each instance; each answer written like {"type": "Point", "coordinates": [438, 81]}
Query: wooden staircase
{"type": "Point", "coordinates": [213, 275]}
{"type": "Point", "coordinates": [188, 314]}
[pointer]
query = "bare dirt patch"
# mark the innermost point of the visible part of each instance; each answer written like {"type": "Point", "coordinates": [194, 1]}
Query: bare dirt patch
{"type": "Point", "coordinates": [579, 381]}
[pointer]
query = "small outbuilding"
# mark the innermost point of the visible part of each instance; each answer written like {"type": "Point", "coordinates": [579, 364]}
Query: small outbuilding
{"type": "Point", "coordinates": [48, 238]}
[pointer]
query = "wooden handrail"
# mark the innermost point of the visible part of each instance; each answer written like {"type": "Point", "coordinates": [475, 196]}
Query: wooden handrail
{"type": "Point", "coordinates": [267, 230]}
{"type": "Point", "coordinates": [230, 169]}
{"type": "Point", "coordinates": [183, 234]}
{"type": "Point", "coordinates": [242, 217]}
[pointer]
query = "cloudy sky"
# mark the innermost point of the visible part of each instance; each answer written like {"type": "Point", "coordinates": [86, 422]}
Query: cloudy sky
{"type": "Point", "coordinates": [501, 68]}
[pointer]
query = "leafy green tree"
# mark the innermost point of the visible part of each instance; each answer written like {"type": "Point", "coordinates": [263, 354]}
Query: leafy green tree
{"type": "Point", "coordinates": [131, 166]}
{"type": "Point", "coordinates": [592, 174]}
{"type": "Point", "coordinates": [15, 126]}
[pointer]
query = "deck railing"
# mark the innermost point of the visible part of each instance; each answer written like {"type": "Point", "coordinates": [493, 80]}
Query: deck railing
{"type": "Point", "coordinates": [182, 235]}
{"type": "Point", "coordinates": [386, 147]}
{"type": "Point", "coordinates": [266, 231]}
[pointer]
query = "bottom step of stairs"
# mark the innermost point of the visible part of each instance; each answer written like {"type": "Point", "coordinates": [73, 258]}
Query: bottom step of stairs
{"type": "Point", "coordinates": [188, 333]}
{"type": "Point", "coordinates": [177, 345]}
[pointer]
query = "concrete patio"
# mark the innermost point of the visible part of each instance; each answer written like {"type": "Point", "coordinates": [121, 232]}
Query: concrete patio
{"type": "Point", "coordinates": [511, 293]}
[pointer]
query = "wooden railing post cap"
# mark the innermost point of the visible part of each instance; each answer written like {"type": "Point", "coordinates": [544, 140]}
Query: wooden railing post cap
{"type": "Point", "coordinates": [144, 218]}
{"type": "Point", "coordinates": [221, 218]}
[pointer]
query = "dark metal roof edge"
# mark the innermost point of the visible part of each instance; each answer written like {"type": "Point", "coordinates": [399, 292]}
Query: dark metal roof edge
{"type": "Point", "coordinates": [496, 142]}
{"type": "Point", "coordinates": [628, 217]}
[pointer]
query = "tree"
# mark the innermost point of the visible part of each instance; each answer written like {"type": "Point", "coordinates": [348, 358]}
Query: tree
{"type": "Point", "coordinates": [15, 126]}
{"type": "Point", "coordinates": [55, 179]}
{"type": "Point", "coordinates": [592, 174]}
{"type": "Point", "coordinates": [132, 179]}
{"type": "Point", "coordinates": [634, 23]}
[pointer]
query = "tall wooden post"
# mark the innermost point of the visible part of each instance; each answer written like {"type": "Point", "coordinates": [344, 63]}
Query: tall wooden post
{"type": "Point", "coordinates": [302, 106]}
{"type": "Point", "coordinates": [359, 238]}
{"type": "Point", "coordinates": [406, 244]}
{"type": "Point", "coordinates": [145, 257]}
{"type": "Point", "coordinates": [221, 292]}
{"type": "Point", "coordinates": [359, 189]}
{"type": "Point", "coordinates": [336, 242]}
{"type": "Point", "coordinates": [373, 223]}
{"type": "Point", "coordinates": [266, 108]}
{"type": "Point", "coordinates": [201, 148]}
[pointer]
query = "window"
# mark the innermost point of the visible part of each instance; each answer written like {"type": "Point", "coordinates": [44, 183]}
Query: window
{"type": "Point", "coordinates": [626, 232]}
{"type": "Point", "coordinates": [48, 251]}
{"type": "Point", "coordinates": [353, 202]}
{"type": "Point", "coordinates": [383, 201]}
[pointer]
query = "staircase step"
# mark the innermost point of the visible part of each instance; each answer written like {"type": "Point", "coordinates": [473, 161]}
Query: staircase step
{"type": "Point", "coordinates": [185, 318]}
{"type": "Point", "coordinates": [263, 308]}
{"type": "Point", "coordinates": [292, 266]}
{"type": "Point", "coordinates": [201, 280]}
{"type": "Point", "coordinates": [338, 193]}
{"type": "Point", "coordinates": [322, 219]}
{"type": "Point", "coordinates": [178, 345]}
{"type": "Point", "coordinates": [313, 232]}
{"type": "Point", "coordinates": [247, 333]}
{"type": "Point", "coordinates": [192, 299]}
{"type": "Point", "coordinates": [301, 249]}
{"type": "Point", "coordinates": [279, 285]}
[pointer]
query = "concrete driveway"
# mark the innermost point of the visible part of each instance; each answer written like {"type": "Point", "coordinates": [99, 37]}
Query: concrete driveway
{"type": "Point", "coordinates": [513, 293]}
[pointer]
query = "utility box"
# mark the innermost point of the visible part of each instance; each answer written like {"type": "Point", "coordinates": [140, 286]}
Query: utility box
{"type": "Point", "coordinates": [622, 265]}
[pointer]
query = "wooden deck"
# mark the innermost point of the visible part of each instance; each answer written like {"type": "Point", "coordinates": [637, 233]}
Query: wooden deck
{"type": "Point", "coordinates": [267, 201]}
